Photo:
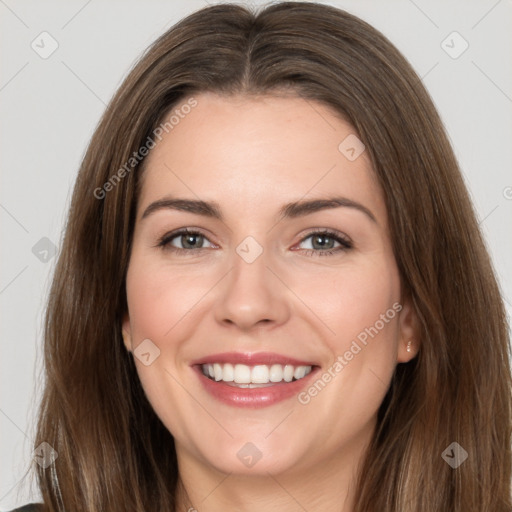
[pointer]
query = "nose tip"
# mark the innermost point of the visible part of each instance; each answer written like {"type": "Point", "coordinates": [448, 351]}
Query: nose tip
{"type": "Point", "coordinates": [251, 294]}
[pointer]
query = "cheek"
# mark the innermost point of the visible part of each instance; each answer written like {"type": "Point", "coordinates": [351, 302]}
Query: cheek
{"type": "Point", "coordinates": [352, 299]}
{"type": "Point", "coordinates": [359, 309]}
{"type": "Point", "coordinates": [361, 306]}
{"type": "Point", "coordinates": [160, 298]}
{"type": "Point", "coordinates": [159, 303]}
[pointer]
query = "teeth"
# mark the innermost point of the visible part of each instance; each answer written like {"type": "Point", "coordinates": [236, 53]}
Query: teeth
{"type": "Point", "coordinates": [288, 373]}
{"type": "Point", "coordinates": [259, 374]}
{"type": "Point", "coordinates": [299, 372]}
{"type": "Point", "coordinates": [228, 373]}
{"type": "Point", "coordinates": [217, 371]}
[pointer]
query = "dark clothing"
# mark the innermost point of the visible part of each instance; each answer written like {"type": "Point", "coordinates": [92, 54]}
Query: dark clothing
{"type": "Point", "coordinates": [33, 507]}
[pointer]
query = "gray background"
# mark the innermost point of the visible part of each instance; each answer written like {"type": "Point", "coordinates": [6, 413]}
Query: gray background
{"type": "Point", "coordinates": [49, 108]}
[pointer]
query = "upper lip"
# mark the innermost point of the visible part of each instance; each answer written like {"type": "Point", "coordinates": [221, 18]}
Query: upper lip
{"type": "Point", "coordinates": [251, 359]}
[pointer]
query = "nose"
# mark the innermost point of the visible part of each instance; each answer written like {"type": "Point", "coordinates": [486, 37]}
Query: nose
{"type": "Point", "coordinates": [252, 295]}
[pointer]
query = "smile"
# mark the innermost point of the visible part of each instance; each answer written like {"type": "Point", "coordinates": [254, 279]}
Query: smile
{"type": "Point", "coordinates": [245, 376]}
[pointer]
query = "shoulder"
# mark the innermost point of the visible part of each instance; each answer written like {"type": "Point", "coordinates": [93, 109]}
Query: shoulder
{"type": "Point", "coordinates": [33, 507]}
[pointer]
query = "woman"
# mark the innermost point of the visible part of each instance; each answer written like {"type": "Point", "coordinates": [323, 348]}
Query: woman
{"type": "Point", "coordinates": [201, 356]}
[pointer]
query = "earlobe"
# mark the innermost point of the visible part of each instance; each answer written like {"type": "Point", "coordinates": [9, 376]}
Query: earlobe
{"type": "Point", "coordinates": [126, 333]}
{"type": "Point", "coordinates": [409, 334]}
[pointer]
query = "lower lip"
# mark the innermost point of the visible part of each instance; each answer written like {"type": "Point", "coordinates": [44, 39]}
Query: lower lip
{"type": "Point", "coordinates": [255, 397]}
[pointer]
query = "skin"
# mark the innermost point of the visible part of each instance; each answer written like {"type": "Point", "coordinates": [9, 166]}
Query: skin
{"type": "Point", "coordinates": [265, 152]}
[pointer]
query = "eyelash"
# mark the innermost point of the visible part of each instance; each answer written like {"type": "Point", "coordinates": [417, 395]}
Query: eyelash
{"type": "Point", "coordinates": [345, 243]}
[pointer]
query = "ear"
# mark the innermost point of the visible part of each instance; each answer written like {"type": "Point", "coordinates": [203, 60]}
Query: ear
{"type": "Point", "coordinates": [127, 332]}
{"type": "Point", "coordinates": [409, 333]}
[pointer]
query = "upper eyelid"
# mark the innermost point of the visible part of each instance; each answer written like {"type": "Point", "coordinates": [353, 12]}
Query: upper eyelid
{"type": "Point", "coordinates": [313, 231]}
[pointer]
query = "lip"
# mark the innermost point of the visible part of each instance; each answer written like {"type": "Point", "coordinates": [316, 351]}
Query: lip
{"type": "Point", "coordinates": [257, 397]}
{"type": "Point", "coordinates": [251, 359]}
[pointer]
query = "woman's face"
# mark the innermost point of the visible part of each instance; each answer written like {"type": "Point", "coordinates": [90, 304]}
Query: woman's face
{"type": "Point", "coordinates": [274, 284]}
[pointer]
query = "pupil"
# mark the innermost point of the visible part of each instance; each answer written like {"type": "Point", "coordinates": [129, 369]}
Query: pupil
{"type": "Point", "coordinates": [189, 240]}
{"type": "Point", "coordinates": [321, 237]}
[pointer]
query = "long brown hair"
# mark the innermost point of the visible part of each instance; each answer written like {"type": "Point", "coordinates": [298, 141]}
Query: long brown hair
{"type": "Point", "coordinates": [113, 452]}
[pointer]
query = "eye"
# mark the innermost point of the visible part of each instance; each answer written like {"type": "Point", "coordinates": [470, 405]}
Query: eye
{"type": "Point", "coordinates": [323, 243]}
{"type": "Point", "coordinates": [187, 240]}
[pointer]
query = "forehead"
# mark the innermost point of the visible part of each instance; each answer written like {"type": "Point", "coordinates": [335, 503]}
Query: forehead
{"type": "Point", "coordinates": [252, 153]}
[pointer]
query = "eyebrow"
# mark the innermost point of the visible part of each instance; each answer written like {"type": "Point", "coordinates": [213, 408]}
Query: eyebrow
{"type": "Point", "coordinates": [288, 211]}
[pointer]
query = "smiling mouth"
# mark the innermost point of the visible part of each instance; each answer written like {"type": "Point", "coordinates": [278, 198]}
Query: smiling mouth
{"type": "Point", "coordinates": [257, 376]}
